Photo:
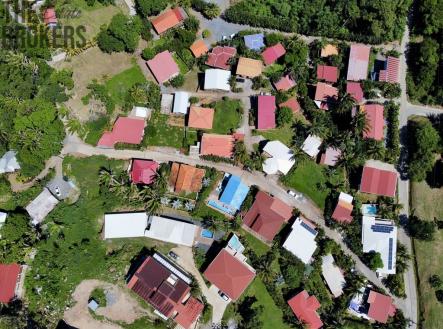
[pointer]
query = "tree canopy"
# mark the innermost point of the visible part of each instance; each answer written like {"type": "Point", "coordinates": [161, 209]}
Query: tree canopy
{"type": "Point", "coordinates": [122, 34]}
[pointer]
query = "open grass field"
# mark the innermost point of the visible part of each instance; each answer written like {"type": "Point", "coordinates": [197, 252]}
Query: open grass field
{"type": "Point", "coordinates": [119, 85]}
{"type": "Point", "coordinates": [283, 134]}
{"type": "Point", "coordinates": [227, 116]}
{"type": "Point", "coordinates": [305, 178]}
{"type": "Point", "coordinates": [428, 204]}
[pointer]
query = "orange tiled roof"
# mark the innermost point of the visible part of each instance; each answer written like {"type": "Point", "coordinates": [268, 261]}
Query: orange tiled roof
{"type": "Point", "coordinates": [186, 178]}
{"type": "Point", "coordinates": [199, 48]}
{"type": "Point", "coordinates": [200, 117]}
{"type": "Point", "coordinates": [167, 20]}
{"type": "Point", "coordinates": [219, 145]}
{"type": "Point", "coordinates": [249, 67]}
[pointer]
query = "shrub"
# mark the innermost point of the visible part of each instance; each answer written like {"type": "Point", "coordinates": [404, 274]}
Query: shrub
{"type": "Point", "coordinates": [284, 116]}
{"type": "Point", "coordinates": [206, 34]}
{"type": "Point", "coordinates": [148, 53]}
{"type": "Point", "coordinates": [178, 81]}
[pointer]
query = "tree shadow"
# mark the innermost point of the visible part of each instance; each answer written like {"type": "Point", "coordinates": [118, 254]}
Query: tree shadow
{"type": "Point", "coordinates": [434, 178]}
{"type": "Point", "coordinates": [402, 165]}
{"type": "Point", "coordinates": [137, 261]}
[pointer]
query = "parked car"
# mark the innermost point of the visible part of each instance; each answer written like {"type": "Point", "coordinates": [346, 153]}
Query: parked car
{"type": "Point", "coordinates": [173, 255]}
{"type": "Point", "coordinates": [297, 196]}
{"type": "Point", "coordinates": [223, 295]}
{"type": "Point", "coordinates": [240, 80]}
{"type": "Point", "coordinates": [292, 193]}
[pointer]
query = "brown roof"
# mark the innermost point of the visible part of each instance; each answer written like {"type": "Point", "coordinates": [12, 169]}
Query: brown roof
{"type": "Point", "coordinates": [291, 103]}
{"type": "Point", "coordinates": [219, 145]}
{"type": "Point", "coordinates": [249, 67]}
{"type": "Point", "coordinates": [380, 307]}
{"type": "Point", "coordinates": [186, 178]}
{"type": "Point", "coordinates": [201, 117]}
{"type": "Point", "coordinates": [219, 57]}
{"type": "Point", "coordinates": [199, 48]}
{"type": "Point", "coordinates": [325, 92]}
{"type": "Point", "coordinates": [267, 215]}
{"type": "Point", "coordinates": [229, 274]}
{"type": "Point", "coordinates": [167, 20]}
{"type": "Point", "coordinates": [329, 50]}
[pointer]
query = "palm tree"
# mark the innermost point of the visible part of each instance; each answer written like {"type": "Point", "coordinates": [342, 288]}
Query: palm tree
{"type": "Point", "coordinates": [206, 181]}
{"type": "Point", "coordinates": [402, 258]}
{"type": "Point", "coordinates": [106, 177]}
{"type": "Point", "coordinates": [74, 126]}
{"type": "Point", "coordinates": [165, 201]}
{"type": "Point", "coordinates": [189, 206]}
{"type": "Point", "coordinates": [360, 123]}
{"type": "Point", "coordinates": [345, 103]}
{"type": "Point", "coordinates": [374, 149]}
{"type": "Point", "coordinates": [152, 200]}
{"type": "Point", "coordinates": [176, 204]}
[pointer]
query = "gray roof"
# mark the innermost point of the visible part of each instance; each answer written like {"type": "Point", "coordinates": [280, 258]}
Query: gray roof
{"type": "Point", "coordinates": [9, 163]}
{"type": "Point", "coordinates": [41, 206]}
{"type": "Point", "coordinates": [60, 188]}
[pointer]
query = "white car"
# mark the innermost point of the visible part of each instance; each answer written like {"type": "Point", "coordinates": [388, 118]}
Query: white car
{"type": "Point", "coordinates": [223, 295]}
{"type": "Point", "coordinates": [292, 193]}
{"type": "Point", "coordinates": [296, 196]}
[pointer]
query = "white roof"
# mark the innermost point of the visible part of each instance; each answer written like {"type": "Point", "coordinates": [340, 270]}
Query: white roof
{"type": "Point", "coordinates": [166, 103]}
{"type": "Point", "coordinates": [8, 162]}
{"type": "Point", "coordinates": [311, 145]}
{"type": "Point", "coordinates": [140, 112]}
{"type": "Point", "coordinates": [139, 224]}
{"type": "Point", "coordinates": [125, 225]}
{"type": "Point", "coordinates": [333, 276]}
{"type": "Point", "coordinates": [41, 206]}
{"type": "Point", "coordinates": [3, 216]}
{"type": "Point", "coordinates": [181, 102]}
{"type": "Point", "coordinates": [217, 79]}
{"type": "Point", "coordinates": [301, 241]}
{"type": "Point", "coordinates": [380, 236]}
{"type": "Point", "coordinates": [345, 197]}
{"type": "Point", "coordinates": [281, 158]}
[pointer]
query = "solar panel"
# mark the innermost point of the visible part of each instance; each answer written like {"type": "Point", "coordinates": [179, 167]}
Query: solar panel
{"type": "Point", "coordinates": [391, 244]}
{"type": "Point", "coordinates": [382, 228]}
{"type": "Point", "coordinates": [308, 228]}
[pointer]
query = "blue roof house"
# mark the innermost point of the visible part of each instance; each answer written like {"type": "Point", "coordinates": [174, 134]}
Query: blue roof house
{"type": "Point", "coordinates": [254, 41]}
{"type": "Point", "coordinates": [234, 193]}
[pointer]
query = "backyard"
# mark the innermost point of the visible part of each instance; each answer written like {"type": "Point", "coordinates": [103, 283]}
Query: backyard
{"type": "Point", "coordinates": [119, 85]}
{"type": "Point", "coordinates": [283, 134]}
{"type": "Point", "coordinates": [227, 116]}
{"type": "Point", "coordinates": [426, 202]}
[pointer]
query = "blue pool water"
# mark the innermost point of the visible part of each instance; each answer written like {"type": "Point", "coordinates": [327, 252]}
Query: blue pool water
{"type": "Point", "coordinates": [221, 207]}
{"type": "Point", "coordinates": [369, 209]}
{"type": "Point", "coordinates": [207, 234]}
{"type": "Point", "coordinates": [234, 243]}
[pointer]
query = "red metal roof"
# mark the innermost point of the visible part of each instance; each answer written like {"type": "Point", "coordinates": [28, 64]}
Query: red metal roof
{"type": "Point", "coordinates": [390, 74]}
{"type": "Point", "coordinates": [325, 92]}
{"type": "Point", "coordinates": [229, 274]}
{"type": "Point", "coordinates": [380, 307]}
{"type": "Point", "coordinates": [291, 103]}
{"type": "Point", "coordinates": [266, 112]}
{"type": "Point", "coordinates": [355, 90]}
{"type": "Point", "coordinates": [285, 83]}
{"type": "Point", "coordinates": [49, 16]}
{"type": "Point", "coordinates": [327, 73]}
{"type": "Point", "coordinates": [167, 20]}
{"type": "Point", "coordinates": [163, 67]}
{"type": "Point", "coordinates": [125, 130]}
{"type": "Point", "coordinates": [305, 309]}
{"type": "Point", "coordinates": [358, 62]}
{"type": "Point", "coordinates": [330, 156]}
{"type": "Point", "coordinates": [267, 215]}
{"type": "Point", "coordinates": [9, 274]}
{"type": "Point", "coordinates": [220, 145]}
{"type": "Point", "coordinates": [343, 211]}
{"type": "Point", "coordinates": [376, 121]}
{"type": "Point", "coordinates": [378, 181]}
{"type": "Point", "coordinates": [271, 54]}
{"type": "Point", "coordinates": [219, 57]}
{"type": "Point", "coordinates": [189, 313]}
{"type": "Point", "coordinates": [143, 171]}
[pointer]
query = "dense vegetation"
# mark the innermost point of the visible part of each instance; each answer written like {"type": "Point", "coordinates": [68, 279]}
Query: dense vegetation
{"type": "Point", "coordinates": [424, 80]}
{"type": "Point", "coordinates": [367, 21]}
{"type": "Point", "coordinates": [122, 34]}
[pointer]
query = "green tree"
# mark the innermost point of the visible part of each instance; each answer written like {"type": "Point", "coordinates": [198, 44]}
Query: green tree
{"type": "Point", "coordinates": [123, 33]}
{"type": "Point", "coordinates": [150, 7]}
{"type": "Point", "coordinates": [373, 260]}
{"type": "Point", "coordinates": [177, 81]}
{"type": "Point", "coordinates": [284, 116]}
{"type": "Point", "coordinates": [435, 281]}
{"type": "Point", "coordinates": [421, 229]}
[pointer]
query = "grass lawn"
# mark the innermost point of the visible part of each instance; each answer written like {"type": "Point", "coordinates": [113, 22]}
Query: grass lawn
{"type": "Point", "coordinates": [255, 244]}
{"type": "Point", "coordinates": [283, 134]}
{"type": "Point", "coordinates": [95, 129]}
{"type": "Point", "coordinates": [427, 204]}
{"type": "Point", "coordinates": [304, 178]}
{"type": "Point", "coordinates": [227, 116]}
{"type": "Point", "coordinates": [119, 85]}
{"type": "Point", "coordinates": [181, 65]}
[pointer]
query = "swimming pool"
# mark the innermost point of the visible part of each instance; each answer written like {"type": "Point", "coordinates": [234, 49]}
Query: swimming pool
{"type": "Point", "coordinates": [234, 243]}
{"type": "Point", "coordinates": [369, 209]}
{"type": "Point", "coordinates": [221, 207]}
{"type": "Point", "coordinates": [207, 234]}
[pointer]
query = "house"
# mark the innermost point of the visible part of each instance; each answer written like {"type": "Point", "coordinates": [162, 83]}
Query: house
{"type": "Point", "coordinates": [220, 57]}
{"type": "Point", "coordinates": [248, 67]}
{"type": "Point", "coordinates": [280, 158]}
{"type": "Point", "coordinates": [230, 273]}
{"type": "Point", "coordinates": [218, 145]}
{"type": "Point", "coordinates": [199, 48]}
{"type": "Point", "coordinates": [186, 178]}
{"type": "Point", "coordinates": [267, 215]}
{"type": "Point", "coordinates": [216, 79]}
{"type": "Point", "coordinates": [9, 279]}
{"type": "Point", "coordinates": [271, 54]}
{"type": "Point", "coordinates": [163, 67]}
{"type": "Point", "coordinates": [325, 92]}
{"type": "Point", "coordinates": [201, 117]}
{"type": "Point", "coordinates": [327, 73]}
{"type": "Point", "coordinates": [3, 217]}
{"type": "Point", "coordinates": [140, 112]}
{"type": "Point", "coordinates": [329, 50]}
{"type": "Point", "coordinates": [390, 72]}
{"type": "Point", "coordinates": [234, 193]}
{"type": "Point", "coordinates": [358, 62]}
{"type": "Point", "coordinates": [50, 17]}
{"type": "Point", "coordinates": [379, 178]}
{"type": "Point", "coordinates": [301, 241]}
{"type": "Point", "coordinates": [166, 103]}
{"type": "Point", "coordinates": [9, 163]}
{"type": "Point", "coordinates": [167, 288]}
{"type": "Point", "coordinates": [143, 171]}
{"type": "Point", "coordinates": [167, 20]}
{"type": "Point", "coordinates": [343, 211]}
{"type": "Point", "coordinates": [381, 307]}
{"type": "Point", "coordinates": [61, 188]}
{"type": "Point", "coordinates": [355, 90]}
{"type": "Point", "coordinates": [305, 309]}
{"type": "Point", "coordinates": [376, 121]}
{"type": "Point", "coordinates": [41, 206]}
{"type": "Point", "coordinates": [140, 224]}
{"type": "Point", "coordinates": [265, 112]}
{"type": "Point", "coordinates": [285, 83]}
{"type": "Point", "coordinates": [291, 103]}
{"type": "Point", "coordinates": [311, 145]}
{"type": "Point", "coordinates": [380, 236]}
{"type": "Point", "coordinates": [126, 130]}
{"type": "Point", "coordinates": [254, 41]}
{"type": "Point", "coordinates": [330, 156]}
{"type": "Point", "coordinates": [333, 276]}
{"type": "Point", "coordinates": [181, 102]}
